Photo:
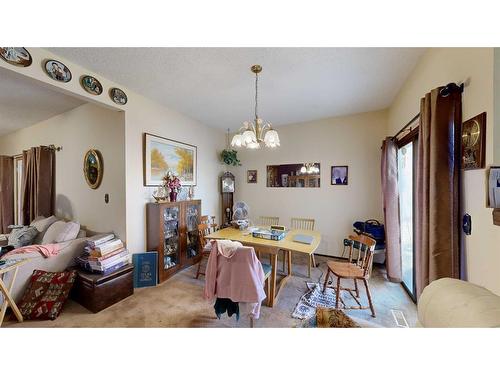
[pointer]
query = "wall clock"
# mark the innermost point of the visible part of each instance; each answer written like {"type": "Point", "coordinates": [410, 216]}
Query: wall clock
{"type": "Point", "coordinates": [474, 142]}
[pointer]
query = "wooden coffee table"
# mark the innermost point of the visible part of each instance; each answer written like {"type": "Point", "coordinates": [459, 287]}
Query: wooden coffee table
{"type": "Point", "coordinates": [11, 265]}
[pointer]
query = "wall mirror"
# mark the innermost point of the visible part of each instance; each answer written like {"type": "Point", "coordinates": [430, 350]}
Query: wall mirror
{"type": "Point", "coordinates": [294, 175]}
{"type": "Point", "coordinates": [93, 168]}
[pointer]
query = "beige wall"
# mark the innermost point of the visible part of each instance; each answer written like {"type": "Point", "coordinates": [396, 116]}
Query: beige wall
{"type": "Point", "coordinates": [352, 140]}
{"type": "Point", "coordinates": [76, 131]}
{"type": "Point", "coordinates": [150, 117]}
{"type": "Point", "coordinates": [142, 115]}
{"type": "Point", "coordinates": [438, 67]}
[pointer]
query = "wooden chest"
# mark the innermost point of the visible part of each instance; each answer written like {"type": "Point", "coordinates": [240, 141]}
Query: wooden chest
{"type": "Point", "coordinates": [97, 292]}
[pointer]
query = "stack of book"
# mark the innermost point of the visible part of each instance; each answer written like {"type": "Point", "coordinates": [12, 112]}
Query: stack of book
{"type": "Point", "coordinates": [103, 254]}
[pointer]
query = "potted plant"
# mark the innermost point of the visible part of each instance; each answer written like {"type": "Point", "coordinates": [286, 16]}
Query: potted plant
{"type": "Point", "coordinates": [230, 157]}
{"type": "Point", "coordinates": [173, 183]}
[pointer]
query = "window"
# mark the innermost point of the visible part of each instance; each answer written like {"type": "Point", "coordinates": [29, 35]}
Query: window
{"type": "Point", "coordinates": [18, 176]}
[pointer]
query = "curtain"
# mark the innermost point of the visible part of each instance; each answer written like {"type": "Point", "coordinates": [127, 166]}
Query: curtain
{"type": "Point", "coordinates": [437, 186]}
{"type": "Point", "coordinates": [6, 193]}
{"type": "Point", "coordinates": [390, 199]}
{"type": "Point", "coordinates": [38, 183]}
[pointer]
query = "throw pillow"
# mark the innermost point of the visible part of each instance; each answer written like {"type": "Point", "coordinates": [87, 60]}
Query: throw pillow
{"type": "Point", "coordinates": [46, 293]}
{"type": "Point", "coordinates": [61, 231]}
{"type": "Point", "coordinates": [24, 236]}
{"type": "Point", "coordinates": [69, 232]}
{"type": "Point", "coordinates": [42, 224]}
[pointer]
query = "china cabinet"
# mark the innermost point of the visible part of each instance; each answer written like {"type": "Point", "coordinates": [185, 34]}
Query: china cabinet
{"type": "Point", "coordinates": [172, 231]}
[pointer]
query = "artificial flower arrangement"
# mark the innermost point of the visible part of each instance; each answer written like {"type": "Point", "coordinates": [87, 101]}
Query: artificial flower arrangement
{"type": "Point", "coordinates": [171, 181]}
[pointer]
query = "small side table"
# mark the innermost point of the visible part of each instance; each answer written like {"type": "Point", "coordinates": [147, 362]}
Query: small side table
{"type": "Point", "coordinates": [11, 265]}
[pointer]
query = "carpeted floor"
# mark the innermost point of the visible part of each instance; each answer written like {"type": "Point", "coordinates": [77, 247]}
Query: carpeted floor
{"type": "Point", "coordinates": [179, 302]}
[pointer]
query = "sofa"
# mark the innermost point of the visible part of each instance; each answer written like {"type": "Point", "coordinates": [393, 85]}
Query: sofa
{"type": "Point", "coordinates": [68, 251]}
{"type": "Point", "coordinates": [457, 304]}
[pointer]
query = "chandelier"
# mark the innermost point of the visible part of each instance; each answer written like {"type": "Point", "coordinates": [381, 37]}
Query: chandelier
{"type": "Point", "coordinates": [253, 133]}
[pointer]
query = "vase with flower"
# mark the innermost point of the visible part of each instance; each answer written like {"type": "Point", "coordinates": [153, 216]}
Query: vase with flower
{"type": "Point", "coordinates": [173, 183]}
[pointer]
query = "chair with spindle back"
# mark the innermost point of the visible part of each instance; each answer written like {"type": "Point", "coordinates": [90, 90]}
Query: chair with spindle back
{"type": "Point", "coordinates": [203, 230]}
{"type": "Point", "coordinates": [301, 224]}
{"type": "Point", "coordinates": [357, 268]}
{"type": "Point", "coordinates": [212, 227]}
{"type": "Point", "coordinates": [269, 220]}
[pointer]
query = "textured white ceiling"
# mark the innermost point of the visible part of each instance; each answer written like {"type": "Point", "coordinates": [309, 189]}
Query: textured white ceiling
{"type": "Point", "coordinates": [216, 87]}
{"type": "Point", "coordinates": [24, 102]}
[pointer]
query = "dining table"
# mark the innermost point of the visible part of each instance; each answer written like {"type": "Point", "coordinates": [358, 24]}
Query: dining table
{"type": "Point", "coordinates": [272, 247]}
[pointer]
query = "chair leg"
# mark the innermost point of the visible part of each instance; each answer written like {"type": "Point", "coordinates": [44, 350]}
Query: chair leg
{"type": "Point", "coordinates": [337, 292]}
{"type": "Point", "coordinates": [268, 291]}
{"type": "Point", "coordinates": [313, 260]}
{"type": "Point", "coordinates": [326, 280]}
{"type": "Point", "coordinates": [289, 257]}
{"type": "Point", "coordinates": [356, 287]}
{"type": "Point", "coordinates": [369, 297]}
{"type": "Point", "coordinates": [199, 266]}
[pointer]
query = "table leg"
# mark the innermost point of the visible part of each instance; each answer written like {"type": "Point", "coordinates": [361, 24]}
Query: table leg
{"type": "Point", "coordinates": [289, 263]}
{"type": "Point", "coordinates": [274, 265]}
{"type": "Point", "coordinates": [284, 260]}
{"type": "Point", "coordinates": [8, 298]}
{"type": "Point", "coordinates": [309, 267]}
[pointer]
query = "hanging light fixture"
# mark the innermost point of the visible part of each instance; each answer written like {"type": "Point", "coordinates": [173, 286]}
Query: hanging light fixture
{"type": "Point", "coordinates": [253, 133]}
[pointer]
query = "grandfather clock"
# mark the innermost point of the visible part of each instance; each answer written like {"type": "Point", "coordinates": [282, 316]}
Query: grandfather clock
{"type": "Point", "coordinates": [227, 190]}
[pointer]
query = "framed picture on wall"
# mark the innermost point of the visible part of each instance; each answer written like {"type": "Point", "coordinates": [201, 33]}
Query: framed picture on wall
{"type": "Point", "coordinates": [161, 155]}
{"type": "Point", "coordinates": [340, 175]}
{"type": "Point", "coordinates": [252, 176]}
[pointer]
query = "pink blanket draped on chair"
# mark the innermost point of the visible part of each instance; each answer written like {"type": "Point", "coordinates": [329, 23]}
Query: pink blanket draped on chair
{"type": "Point", "coordinates": [236, 274]}
{"type": "Point", "coordinates": [46, 251]}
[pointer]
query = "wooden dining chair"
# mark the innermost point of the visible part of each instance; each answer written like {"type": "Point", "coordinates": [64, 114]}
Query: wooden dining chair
{"type": "Point", "coordinates": [357, 268]}
{"type": "Point", "coordinates": [301, 224]}
{"type": "Point", "coordinates": [269, 220]}
{"type": "Point", "coordinates": [203, 230]}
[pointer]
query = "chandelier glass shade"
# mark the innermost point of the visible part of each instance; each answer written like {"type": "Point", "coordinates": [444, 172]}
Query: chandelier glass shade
{"type": "Point", "coordinates": [253, 133]}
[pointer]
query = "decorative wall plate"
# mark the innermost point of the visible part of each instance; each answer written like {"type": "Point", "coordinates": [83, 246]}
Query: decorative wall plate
{"type": "Point", "coordinates": [93, 168]}
{"type": "Point", "coordinates": [91, 85]}
{"type": "Point", "coordinates": [18, 56]}
{"type": "Point", "coordinates": [57, 71]}
{"type": "Point", "coordinates": [118, 96]}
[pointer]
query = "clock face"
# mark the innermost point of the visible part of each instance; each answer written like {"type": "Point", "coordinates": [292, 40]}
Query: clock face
{"type": "Point", "coordinates": [470, 134]}
{"type": "Point", "coordinates": [228, 185]}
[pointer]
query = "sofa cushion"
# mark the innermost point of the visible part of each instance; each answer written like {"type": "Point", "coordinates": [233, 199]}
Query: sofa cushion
{"type": "Point", "coordinates": [24, 236]}
{"type": "Point", "coordinates": [42, 223]}
{"type": "Point", "coordinates": [46, 293]}
{"type": "Point", "coordinates": [61, 231]}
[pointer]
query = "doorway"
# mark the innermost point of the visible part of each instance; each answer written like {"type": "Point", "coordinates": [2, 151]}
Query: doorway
{"type": "Point", "coordinates": [407, 157]}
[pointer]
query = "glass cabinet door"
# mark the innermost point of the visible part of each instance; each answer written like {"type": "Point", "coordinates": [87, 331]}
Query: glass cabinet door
{"type": "Point", "coordinates": [192, 220]}
{"type": "Point", "coordinates": [171, 248]}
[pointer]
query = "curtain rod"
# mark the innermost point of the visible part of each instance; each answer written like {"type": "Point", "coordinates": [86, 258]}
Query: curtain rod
{"type": "Point", "coordinates": [54, 147]}
{"type": "Point", "coordinates": [445, 91]}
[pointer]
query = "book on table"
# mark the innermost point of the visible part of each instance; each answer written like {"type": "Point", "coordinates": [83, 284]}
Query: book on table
{"type": "Point", "coordinates": [99, 239]}
{"type": "Point", "coordinates": [106, 248]}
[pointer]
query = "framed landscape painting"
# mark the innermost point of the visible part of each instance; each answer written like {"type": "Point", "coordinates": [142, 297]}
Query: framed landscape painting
{"type": "Point", "coordinates": [162, 155]}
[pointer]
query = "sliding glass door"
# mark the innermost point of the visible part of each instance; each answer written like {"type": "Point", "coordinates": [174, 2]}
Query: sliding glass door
{"type": "Point", "coordinates": [406, 186]}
